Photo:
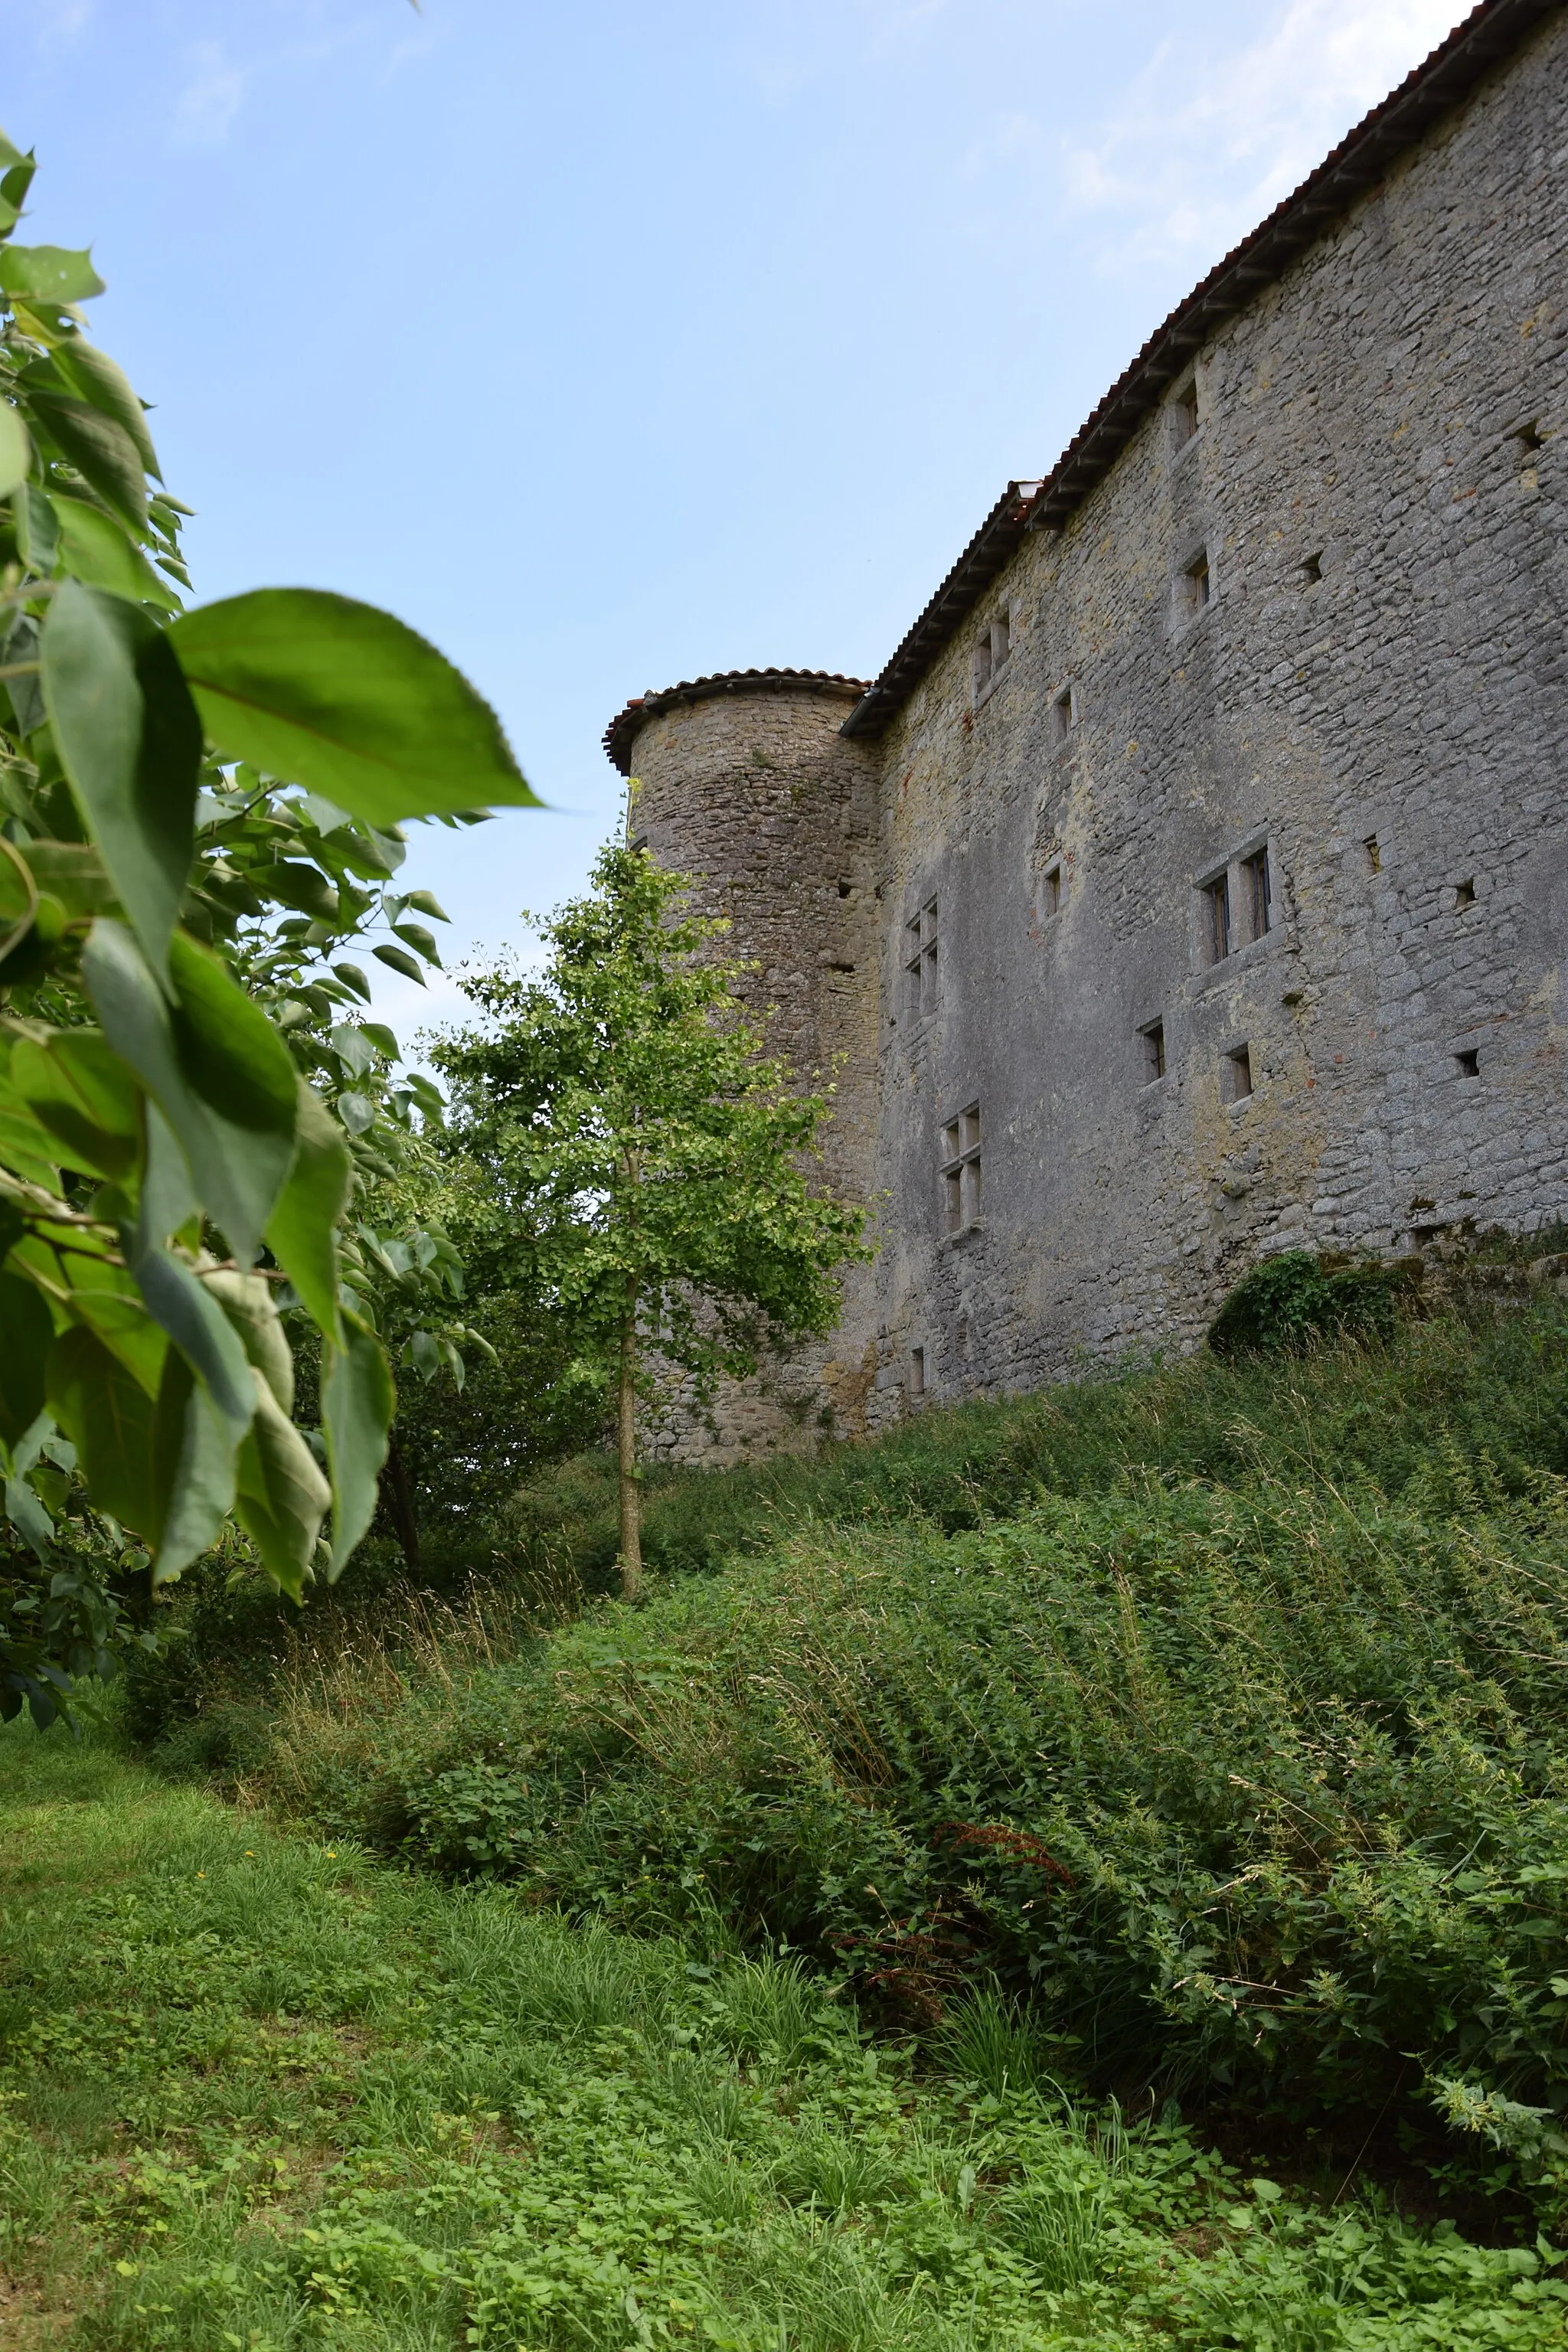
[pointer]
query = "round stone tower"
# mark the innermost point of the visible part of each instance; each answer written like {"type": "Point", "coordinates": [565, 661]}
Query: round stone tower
{"type": "Point", "coordinates": [746, 785]}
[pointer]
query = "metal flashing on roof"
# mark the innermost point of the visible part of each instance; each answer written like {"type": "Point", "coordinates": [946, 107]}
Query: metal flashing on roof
{"type": "Point", "coordinates": [1490, 32]}
{"type": "Point", "coordinates": [623, 730]}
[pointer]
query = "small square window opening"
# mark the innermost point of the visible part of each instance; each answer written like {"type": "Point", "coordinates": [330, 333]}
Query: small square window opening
{"type": "Point", "coordinates": [961, 1170]}
{"type": "Point", "coordinates": [917, 1371]}
{"type": "Point", "coordinates": [1257, 896]}
{"type": "Point", "coordinates": [1153, 1038]}
{"type": "Point", "coordinates": [1463, 894]}
{"type": "Point", "coordinates": [1236, 1074]}
{"type": "Point", "coordinates": [1216, 919]}
{"type": "Point", "coordinates": [1312, 569]}
{"type": "Point", "coordinates": [1469, 1063]}
{"type": "Point", "coordinates": [921, 959]}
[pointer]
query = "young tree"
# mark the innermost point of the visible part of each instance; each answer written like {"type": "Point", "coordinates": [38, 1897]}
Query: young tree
{"type": "Point", "coordinates": [649, 1167]}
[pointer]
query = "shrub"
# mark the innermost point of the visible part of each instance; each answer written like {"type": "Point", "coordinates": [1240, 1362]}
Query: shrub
{"type": "Point", "coordinates": [1288, 1301]}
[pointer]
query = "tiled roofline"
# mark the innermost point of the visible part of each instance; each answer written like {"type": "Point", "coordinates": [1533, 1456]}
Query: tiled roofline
{"type": "Point", "coordinates": [622, 731]}
{"type": "Point", "coordinates": [1449, 74]}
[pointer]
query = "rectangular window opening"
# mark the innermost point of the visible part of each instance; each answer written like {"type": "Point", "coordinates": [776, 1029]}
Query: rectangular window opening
{"type": "Point", "coordinates": [979, 666]}
{"type": "Point", "coordinates": [1312, 569]}
{"type": "Point", "coordinates": [1236, 1074]}
{"type": "Point", "coordinates": [919, 958]}
{"type": "Point", "coordinates": [1196, 584]}
{"type": "Point", "coordinates": [1529, 439]}
{"type": "Point", "coordinates": [1216, 919]}
{"type": "Point", "coordinates": [1374, 853]}
{"type": "Point", "coordinates": [1051, 890]}
{"type": "Point", "coordinates": [1062, 716]}
{"type": "Point", "coordinates": [1183, 415]}
{"type": "Point", "coordinates": [917, 1371]}
{"type": "Point", "coordinates": [1465, 894]}
{"type": "Point", "coordinates": [1001, 641]}
{"type": "Point", "coordinates": [1153, 1038]}
{"type": "Point", "coordinates": [1257, 894]}
{"type": "Point", "coordinates": [961, 1170]}
{"type": "Point", "coordinates": [1469, 1063]}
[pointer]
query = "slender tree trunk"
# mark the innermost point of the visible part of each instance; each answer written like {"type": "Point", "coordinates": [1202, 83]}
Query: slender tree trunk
{"type": "Point", "coordinates": [400, 1495]}
{"type": "Point", "coordinates": [627, 1438]}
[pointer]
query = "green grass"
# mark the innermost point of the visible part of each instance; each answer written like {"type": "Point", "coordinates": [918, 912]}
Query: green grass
{"type": "Point", "coordinates": [258, 2091]}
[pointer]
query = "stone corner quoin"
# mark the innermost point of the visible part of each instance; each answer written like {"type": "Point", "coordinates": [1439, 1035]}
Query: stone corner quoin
{"type": "Point", "coordinates": [1193, 883]}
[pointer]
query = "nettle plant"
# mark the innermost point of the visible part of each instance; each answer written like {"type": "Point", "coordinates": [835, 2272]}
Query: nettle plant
{"type": "Point", "coordinates": [199, 819]}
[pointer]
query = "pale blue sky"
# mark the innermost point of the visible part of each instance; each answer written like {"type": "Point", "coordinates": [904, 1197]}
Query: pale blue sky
{"type": "Point", "coordinates": [611, 343]}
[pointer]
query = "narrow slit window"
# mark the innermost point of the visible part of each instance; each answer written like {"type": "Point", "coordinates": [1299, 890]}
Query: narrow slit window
{"type": "Point", "coordinates": [961, 1177]}
{"type": "Point", "coordinates": [980, 664]}
{"type": "Point", "coordinates": [1153, 1038]}
{"type": "Point", "coordinates": [1216, 919]}
{"type": "Point", "coordinates": [1257, 894]}
{"type": "Point", "coordinates": [920, 960]}
{"type": "Point", "coordinates": [1196, 585]}
{"type": "Point", "coordinates": [1463, 894]}
{"type": "Point", "coordinates": [1051, 890]}
{"type": "Point", "coordinates": [1312, 569]}
{"type": "Point", "coordinates": [1183, 415]}
{"type": "Point", "coordinates": [1469, 1063]}
{"type": "Point", "coordinates": [1001, 641]}
{"type": "Point", "coordinates": [1236, 1074]}
{"type": "Point", "coordinates": [1374, 853]}
{"type": "Point", "coordinates": [1062, 716]}
{"type": "Point", "coordinates": [917, 1371]}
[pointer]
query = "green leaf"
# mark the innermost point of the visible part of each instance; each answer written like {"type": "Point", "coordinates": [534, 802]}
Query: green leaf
{"type": "Point", "coordinates": [247, 1300]}
{"type": "Point", "coordinates": [425, 902]}
{"type": "Point", "coordinates": [112, 1420]}
{"type": "Point", "coordinates": [38, 531]}
{"type": "Point", "coordinates": [72, 872]}
{"type": "Point", "coordinates": [96, 549]}
{"type": "Point", "coordinates": [195, 1448]}
{"type": "Point", "coordinates": [230, 1051]}
{"type": "Point", "coordinates": [52, 272]}
{"type": "Point", "coordinates": [352, 977]}
{"type": "Point", "coordinates": [399, 960]}
{"type": "Point", "coordinates": [301, 1231]}
{"type": "Point", "coordinates": [101, 449]}
{"type": "Point", "coordinates": [239, 1168]}
{"type": "Point", "coordinates": [346, 700]}
{"type": "Point", "coordinates": [19, 898]}
{"type": "Point", "coordinates": [98, 379]}
{"type": "Point", "coordinates": [28, 1332]}
{"type": "Point", "coordinates": [81, 1093]}
{"type": "Point", "coordinates": [131, 745]}
{"type": "Point", "coordinates": [282, 1497]}
{"type": "Point", "coordinates": [380, 1035]}
{"type": "Point", "coordinates": [195, 1319]}
{"type": "Point", "coordinates": [422, 941]}
{"type": "Point", "coordinates": [15, 451]}
{"type": "Point", "coordinates": [358, 1401]}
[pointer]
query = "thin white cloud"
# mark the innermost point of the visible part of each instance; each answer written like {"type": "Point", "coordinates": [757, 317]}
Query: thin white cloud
{"type": "Point", "coordinates": [1203, 144]}
{"type": "Point", "coordinates": [210, 100]}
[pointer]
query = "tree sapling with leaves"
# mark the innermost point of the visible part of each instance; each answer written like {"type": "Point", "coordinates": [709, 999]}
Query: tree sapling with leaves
{"type": "Point", "coordinates": [646, 1161]}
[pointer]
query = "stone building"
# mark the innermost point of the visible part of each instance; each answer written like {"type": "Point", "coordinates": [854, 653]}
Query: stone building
{"type": "Point", "coordinates": [1193, 882]}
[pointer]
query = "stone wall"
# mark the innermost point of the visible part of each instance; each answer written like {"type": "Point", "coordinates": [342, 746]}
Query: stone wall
{"type": "Point", "coordinates": [1373, 693]}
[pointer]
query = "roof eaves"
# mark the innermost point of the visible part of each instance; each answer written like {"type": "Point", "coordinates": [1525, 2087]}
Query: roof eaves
{"type": "Point", "coordinates": [1492, 31]}
{"type": "Point", "coordinates": [624, 727]}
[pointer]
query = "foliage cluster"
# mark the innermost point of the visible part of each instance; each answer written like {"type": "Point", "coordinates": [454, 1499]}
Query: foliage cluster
{"type": "Point", "coordinates": [258, 2092]}
{"type": "Point", "coordinates": [1292, 1299]}
{"type": "Point", "coordinates": [1258, 1792]}
{"type": "Point", "coordinates": [184, 1117]}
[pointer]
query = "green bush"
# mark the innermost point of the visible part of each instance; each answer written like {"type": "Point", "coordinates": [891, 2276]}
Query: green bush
{"type": "Point", "coordinates": [1288, 1301]}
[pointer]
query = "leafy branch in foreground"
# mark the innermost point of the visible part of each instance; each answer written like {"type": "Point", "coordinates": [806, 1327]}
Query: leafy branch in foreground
{"type": "Point", "coordinates": [185, 1120]}
{"type": "Point", "coordinates": [649, 1166]}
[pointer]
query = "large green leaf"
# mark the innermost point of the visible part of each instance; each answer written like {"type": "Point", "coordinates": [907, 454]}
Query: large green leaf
{"type": "Point", "coordinates": [97, 549]}
{"type": "Point", "coordinates": [15, 452]}
{"type": "Point", "coordinates": [342, 697]}
{"type": "Point", "coordinates": [51, 272]}
{"type": "Point", "coordinates": [195, 1320]}
{"type": "Point", "coordinates": [132, 744]}
{"type": "Point", "coordinates": [198, 1459]}
{"type": "Point", "coordinates": [282, 1497]}
{"type": "Point", "coordinates": [27, 1334]}
{"type": "Point", "coordinates": [80, 1090]}
{"type": "Point", "coordinates": [19, 898]}
{"type": "Point", "coordinates": [101, 449]}
{"type": "Point", "coordinates": [358, 1401]}
{"type": "Point", "coordinates": [248, 1301]}
{"type": "Point", "coordinates": [95, 377]}
{"type": "Point", "coordinates": [301, 1231]}
{"type": "Point", "coordinates": [239, 1166]}
{"type": "Point", "coordinates": [113, 1423]}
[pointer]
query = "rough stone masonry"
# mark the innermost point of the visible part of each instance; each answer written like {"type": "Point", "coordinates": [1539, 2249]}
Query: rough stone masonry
{"type": "Point", "coordinates": [1192, 884]}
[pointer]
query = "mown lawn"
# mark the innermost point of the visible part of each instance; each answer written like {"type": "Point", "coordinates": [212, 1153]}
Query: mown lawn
{"type": "Point", "coordinates": [259, 2092]}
